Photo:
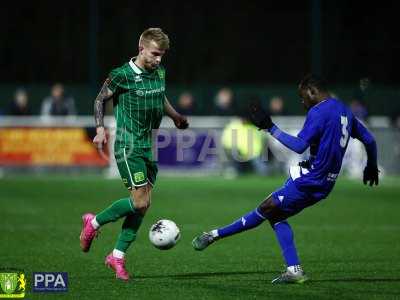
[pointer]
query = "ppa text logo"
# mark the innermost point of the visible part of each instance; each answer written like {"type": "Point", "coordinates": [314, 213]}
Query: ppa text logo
{"type": "Point", "coordinates": [50, 282]}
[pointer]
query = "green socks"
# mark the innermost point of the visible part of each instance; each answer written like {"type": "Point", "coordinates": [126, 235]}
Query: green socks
{"type": "Point", "coordinates": [133, 219]}
{"type": "Point", "coordinates": [118, 209]}
{"type": "Point", "coordinates": [129, 231]}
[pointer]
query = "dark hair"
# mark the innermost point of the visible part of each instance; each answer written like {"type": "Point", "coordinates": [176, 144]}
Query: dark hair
{"type": "Point", "coordinates": [312, 80]}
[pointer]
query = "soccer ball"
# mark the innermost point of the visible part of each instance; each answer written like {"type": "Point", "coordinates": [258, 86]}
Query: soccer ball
{"type": "Point", "coordinates": [164, 234]}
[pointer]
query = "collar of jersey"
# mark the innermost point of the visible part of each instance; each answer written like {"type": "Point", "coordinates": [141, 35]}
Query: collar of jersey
{"type": "Point", "coordinates": [139, 70]}
{"type": "Point", "coordinates": [326, 99]}
{"type": "Point", "coordinates": [134, 67]}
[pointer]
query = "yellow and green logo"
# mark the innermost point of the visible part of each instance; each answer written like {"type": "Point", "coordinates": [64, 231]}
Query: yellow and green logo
{"type": "Point", "coordinates": [139, 176]}
{"type": "Point", "coordinates": [12, 285]}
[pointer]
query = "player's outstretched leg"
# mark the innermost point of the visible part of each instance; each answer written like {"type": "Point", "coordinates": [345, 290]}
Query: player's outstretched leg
{"type": "Point", "coordinates": [269, 209]}
{"type": "Point", "coordinates": [92, 223]}
{"type": "Point", "coordinates": [248, 221]}
{"type": "Point", "coordinates": [116, 259]}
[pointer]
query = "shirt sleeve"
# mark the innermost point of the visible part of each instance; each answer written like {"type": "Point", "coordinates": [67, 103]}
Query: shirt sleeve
{"type": "Point", "coordinates": [294, 143]}
{"type": "Point", "coordinates": [311, 130]}
{"type": "Point", "coordinates": [361, 133]}
{"type": "Point", "coordinates": [116, 81]}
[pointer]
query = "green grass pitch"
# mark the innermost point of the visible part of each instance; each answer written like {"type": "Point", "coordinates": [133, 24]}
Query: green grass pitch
{"type": "Point", "coordinates": [349, 244]}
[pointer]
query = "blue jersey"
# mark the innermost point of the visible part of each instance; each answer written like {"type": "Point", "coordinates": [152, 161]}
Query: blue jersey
{"type": "Point", "coordinates": [327, 130]}
{"type": "Point", "coordinates": [328, 127]}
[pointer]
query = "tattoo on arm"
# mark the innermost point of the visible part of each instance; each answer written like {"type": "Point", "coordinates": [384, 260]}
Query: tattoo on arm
{"type": "Point", "coordinates": [104, 95]}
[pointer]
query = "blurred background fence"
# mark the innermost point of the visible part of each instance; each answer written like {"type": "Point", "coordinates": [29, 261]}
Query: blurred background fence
{"type": "Point", "coordinates": [63, 144]}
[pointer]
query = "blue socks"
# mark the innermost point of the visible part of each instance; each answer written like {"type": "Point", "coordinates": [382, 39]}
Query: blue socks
{"type": "Point", "coordinates": [249, 221]}
{"type": "Point", "coordinates": [284, 235]}
{"type": "Point", "coordinates": [283, 232]}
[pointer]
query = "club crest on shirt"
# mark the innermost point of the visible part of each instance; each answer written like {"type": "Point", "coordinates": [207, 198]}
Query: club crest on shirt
{"type": "Point", "coordinates": [137, 78]}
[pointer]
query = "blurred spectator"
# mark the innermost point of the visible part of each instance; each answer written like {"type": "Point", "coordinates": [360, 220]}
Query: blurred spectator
{"type": "Point", "coordinates": [224, 102]}
{"type": "Point", "coordinates": [186, 104]}
{"type": "Point", "coordinates": [20, 105]}
{"type": "Point", "coordinates": [57, 104]}
{"type": "Point", "coordinates": [244, 146]}
{"type": "Point", "coordinates": [276, 155]}
{"type": "Point", "coordinates": [277, 106]}
{"type": "Point", "coordinates": [355, 157]}
{"type": "Point", "coordinates": [359, 110]}
{"type": "Point", "coordinates": [363, 89]}
{"type": "Point", "coordinates": [357, 105]}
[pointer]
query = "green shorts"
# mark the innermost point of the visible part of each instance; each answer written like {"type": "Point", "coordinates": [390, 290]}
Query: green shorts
{"type": "Point", "coordinates": [136, 166]}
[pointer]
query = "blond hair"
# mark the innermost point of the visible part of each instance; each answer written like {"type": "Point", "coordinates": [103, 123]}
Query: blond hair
{"type": "Point", "coordinates": [156, 35]}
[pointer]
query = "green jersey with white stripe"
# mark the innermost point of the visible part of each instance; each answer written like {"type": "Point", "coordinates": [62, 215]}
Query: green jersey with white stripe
{"type": "Point", "coordinates": [138, 103]}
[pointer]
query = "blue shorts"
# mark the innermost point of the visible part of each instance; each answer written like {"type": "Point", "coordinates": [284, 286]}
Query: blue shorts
{"type": "Point", "coordinates": [290, 200]}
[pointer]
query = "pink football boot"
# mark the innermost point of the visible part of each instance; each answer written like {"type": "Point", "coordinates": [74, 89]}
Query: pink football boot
{"type": "Point", "coordinates": [88, 232]}
{"type": "Point", "coordinates": [118, 265]}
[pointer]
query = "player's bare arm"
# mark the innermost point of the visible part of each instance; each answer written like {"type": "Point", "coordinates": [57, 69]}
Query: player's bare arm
{"type": "Point", "coordinates": [104, 95]}
{"type": "Point", "coordinates": [179, 120]}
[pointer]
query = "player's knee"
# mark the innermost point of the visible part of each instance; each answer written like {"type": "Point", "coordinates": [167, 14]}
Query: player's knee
{"type": "Point", "coordinates": [141, 200]}
{"type": "Point", "coordinates": [271, 211]}
{"type": "Point", "coordinates": [266, 207]}
{"type": "Point", "coordinates": [140, 192]}
{"type": "Point", "coordinates": [142, 205]}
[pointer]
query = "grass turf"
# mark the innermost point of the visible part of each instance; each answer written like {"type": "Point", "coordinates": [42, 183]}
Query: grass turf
{"type": "Point", "coordinates": [349, 243]}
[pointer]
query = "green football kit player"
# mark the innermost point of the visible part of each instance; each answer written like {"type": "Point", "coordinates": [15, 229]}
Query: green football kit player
{"type": "Point", "coordinates": [138, 92]}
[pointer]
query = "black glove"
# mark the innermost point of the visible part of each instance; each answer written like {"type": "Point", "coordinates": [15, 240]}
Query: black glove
{"type": "Point", "coordinates": [371, 175]}
{"type": "Point", "coordinates": [259, 117]}
{"type": "Point", "coordinates": [305, 164]}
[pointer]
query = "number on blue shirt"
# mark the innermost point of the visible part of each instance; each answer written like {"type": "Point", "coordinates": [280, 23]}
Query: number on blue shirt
{"type": "Point", "coordinates": [345, 133]}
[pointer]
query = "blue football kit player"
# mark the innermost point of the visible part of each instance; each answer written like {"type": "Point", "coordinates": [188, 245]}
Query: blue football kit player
{"type": "Point", "coordinates": [328, 126]}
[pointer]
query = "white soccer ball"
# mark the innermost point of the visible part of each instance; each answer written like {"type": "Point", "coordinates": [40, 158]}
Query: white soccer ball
{"type": "Point", "coordinates": [164, 234]}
